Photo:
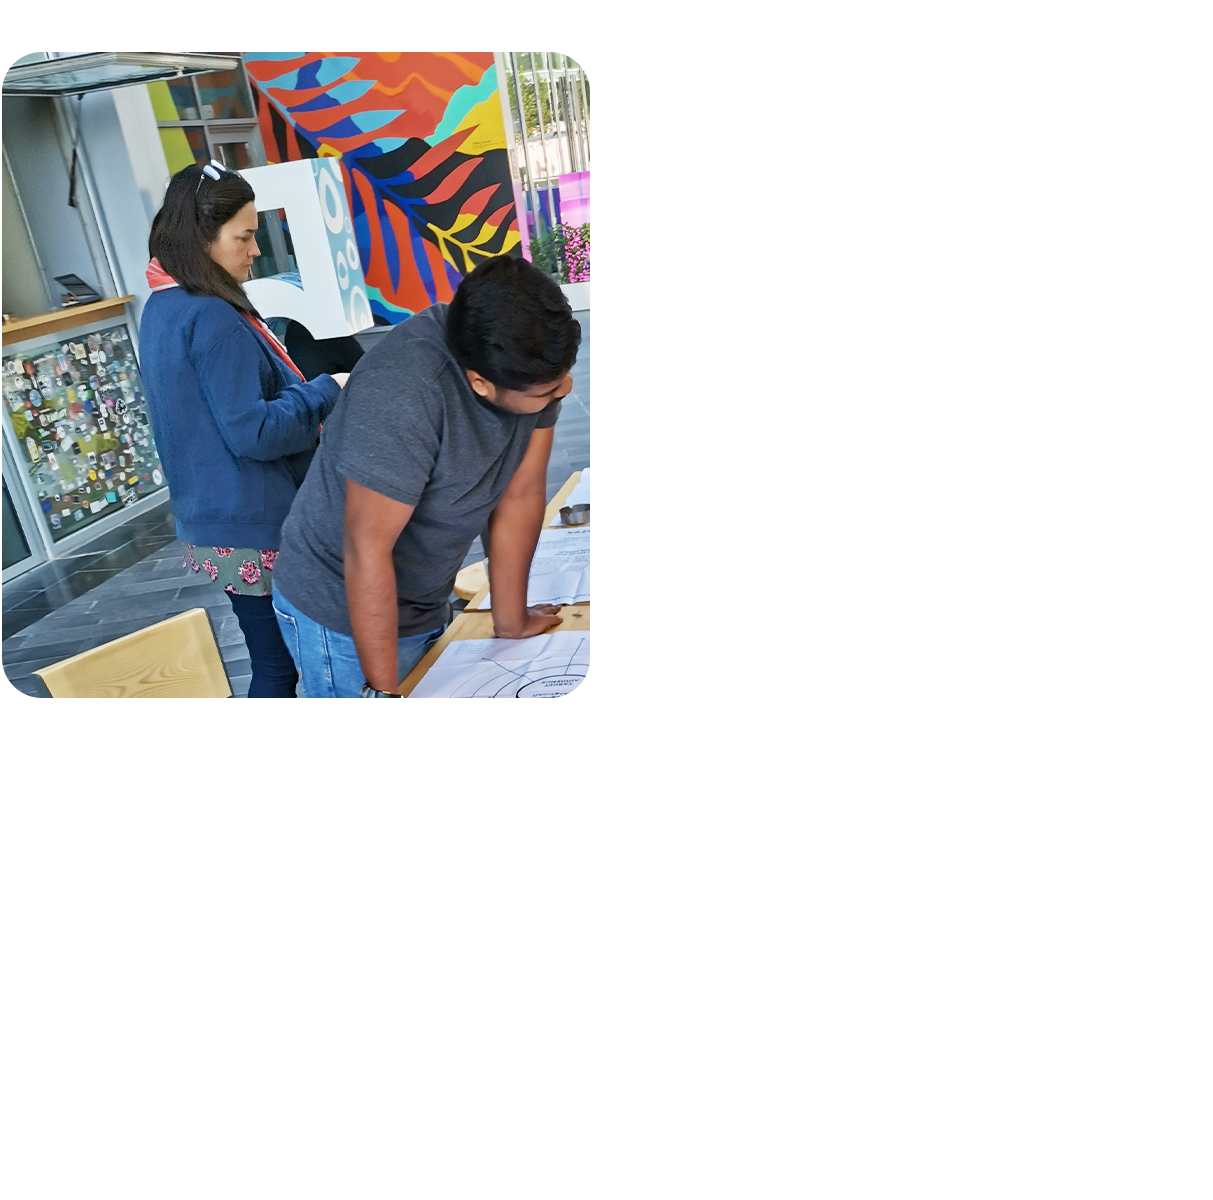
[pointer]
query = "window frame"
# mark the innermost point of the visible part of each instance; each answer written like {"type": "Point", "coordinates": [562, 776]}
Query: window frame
{"type": "Point", "coordinates": [219, 130]}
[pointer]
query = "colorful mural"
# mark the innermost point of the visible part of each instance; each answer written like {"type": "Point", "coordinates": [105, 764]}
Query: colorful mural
{"type": "Point", "coordinates": [421, 145]}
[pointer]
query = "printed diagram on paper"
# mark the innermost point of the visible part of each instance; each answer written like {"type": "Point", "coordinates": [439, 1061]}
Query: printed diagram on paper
{"type": "Point", "coordinates": [538, 668]}
{"type": "Point", "coordinates": [560, 570]}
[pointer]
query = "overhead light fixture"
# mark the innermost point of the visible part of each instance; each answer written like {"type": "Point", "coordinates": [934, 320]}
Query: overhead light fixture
{"type": "Point", "coordinates": [76, 73]}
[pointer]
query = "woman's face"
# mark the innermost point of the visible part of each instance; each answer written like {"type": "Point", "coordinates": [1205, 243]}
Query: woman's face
{"type": "Point", "coordinates": [235, 247]}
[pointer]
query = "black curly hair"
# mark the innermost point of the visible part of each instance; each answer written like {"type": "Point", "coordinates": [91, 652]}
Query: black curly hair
{"type": "Point", "coordinates": [511, 323]}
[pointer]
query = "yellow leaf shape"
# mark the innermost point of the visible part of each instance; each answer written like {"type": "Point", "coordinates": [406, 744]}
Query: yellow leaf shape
{"type": "Point", "coordinates": [489, 232]}
{"type": "Point", "coordinates": [459, 253]}
{"type": "Point", "coordinates": [487, 128]}
{"type": "Point", "coordinates": [446, 237]}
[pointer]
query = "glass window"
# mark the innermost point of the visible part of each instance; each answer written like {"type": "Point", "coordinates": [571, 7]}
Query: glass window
{"type": "Point", "coordinates": [197, 143]}
{"type": "Point", "coordinates": [181, 91]}
{"type": "Point", "coordinates": [274, 242]}
{"type": "Point", "coordinates": [16, 548]}
{"type": "Point", "coordinates": [208, 115]}
{"type": "Point", "coordinates": [224, 96]}
{"type": "Point", "coordinates": [233, 155]}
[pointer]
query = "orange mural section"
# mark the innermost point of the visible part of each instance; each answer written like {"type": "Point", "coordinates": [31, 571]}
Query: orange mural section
{"type": "Point", "coordinates": [421, 143]}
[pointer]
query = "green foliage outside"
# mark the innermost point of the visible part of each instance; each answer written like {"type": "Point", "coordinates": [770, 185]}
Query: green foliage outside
{"type": "Point", "coordinates": [529, 105]}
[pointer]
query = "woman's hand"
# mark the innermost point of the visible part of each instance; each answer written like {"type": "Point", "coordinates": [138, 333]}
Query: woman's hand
{"type": "Point", "coordinates": [341, 377]}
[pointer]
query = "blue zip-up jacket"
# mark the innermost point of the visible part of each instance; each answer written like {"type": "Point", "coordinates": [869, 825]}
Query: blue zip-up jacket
{"type": "Point", "coordinates": [235, 427]}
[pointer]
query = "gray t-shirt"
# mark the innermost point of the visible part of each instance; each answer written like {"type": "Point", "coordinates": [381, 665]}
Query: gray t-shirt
{"type": "Point", "coordinates": [408, 426]}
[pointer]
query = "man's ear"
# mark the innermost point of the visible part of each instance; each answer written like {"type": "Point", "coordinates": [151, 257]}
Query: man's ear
{"type": "Point", "coordinates": [480, 385]}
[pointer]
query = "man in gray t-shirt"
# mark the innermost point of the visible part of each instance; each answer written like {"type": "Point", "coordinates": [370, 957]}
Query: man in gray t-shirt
{"type": "Point", "coordinates": [445, 425]}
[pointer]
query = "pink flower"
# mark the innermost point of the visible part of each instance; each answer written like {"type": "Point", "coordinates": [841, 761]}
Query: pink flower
{"type": "Point", "coordinates": [189, 558]}
{"type": "Point", "coordinates": [211, 570]}
{"type": "Point", "coordinates": [227, 587]}
{"type": "Point", "coordinates": [249, 571]}
{"type": "Point", "coordinates": [223, 551]}
{"type": "Point", "coordinates": [268, 558]}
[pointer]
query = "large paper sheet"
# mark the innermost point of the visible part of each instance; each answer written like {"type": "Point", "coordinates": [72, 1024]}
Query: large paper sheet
{"type": "Point", "coordinates": [579, 495]}
{"type": "Point", "coordinates": [538, 668]}
{"type": "Point", "coordinates": [560, 569]}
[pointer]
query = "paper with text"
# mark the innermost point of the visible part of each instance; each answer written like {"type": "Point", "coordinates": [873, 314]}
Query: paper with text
{"type": "Point", "coordinates": [538, 668]}
{"type": "Point", "coordinates": [560, 569]}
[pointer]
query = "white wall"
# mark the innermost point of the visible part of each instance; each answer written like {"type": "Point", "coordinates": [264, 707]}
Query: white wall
{"type": "Point", "coordinates": [144, 148]}
{"type": "Point", "coordinates": [24, 293]}
{"type": "Point", "coordinates": [40, 175]}
{"type": "Point", "coordinates": [121, 143]}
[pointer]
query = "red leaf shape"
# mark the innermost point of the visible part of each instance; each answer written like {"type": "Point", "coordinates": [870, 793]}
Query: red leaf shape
{"type": "Point", "coordinates": [437, 154]}
{"type": "Point", "coordinates": [453, 182]}
{"type": "Point", "coordinates": [474, 204]}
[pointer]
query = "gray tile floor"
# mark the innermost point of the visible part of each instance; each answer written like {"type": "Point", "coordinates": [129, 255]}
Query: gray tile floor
{"type": "Point", "coordinates": [132, 576]}
{"type": "Point", "coordinates": [41, 591]}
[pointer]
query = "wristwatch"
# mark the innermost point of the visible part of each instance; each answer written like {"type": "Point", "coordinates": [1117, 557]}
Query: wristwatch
{"type": "Point", "coordinates": [370, 693]}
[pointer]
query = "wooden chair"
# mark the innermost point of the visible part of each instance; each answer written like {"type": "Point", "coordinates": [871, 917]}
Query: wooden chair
{"type": "Point", "coordinates": [177, 657]}
{"type": "Point", "coordinates": [470, 580]}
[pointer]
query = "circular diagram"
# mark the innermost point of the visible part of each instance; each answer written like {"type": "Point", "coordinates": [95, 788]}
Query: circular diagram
{"type": "Point", "coordinates": [547, 688]}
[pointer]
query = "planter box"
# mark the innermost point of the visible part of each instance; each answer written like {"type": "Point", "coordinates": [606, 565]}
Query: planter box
{"type": "Point", "coordinates": [577, 294]}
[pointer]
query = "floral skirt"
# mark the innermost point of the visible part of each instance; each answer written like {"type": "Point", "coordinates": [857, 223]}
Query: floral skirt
{"type": "Point", "coordinates": [237, 569]}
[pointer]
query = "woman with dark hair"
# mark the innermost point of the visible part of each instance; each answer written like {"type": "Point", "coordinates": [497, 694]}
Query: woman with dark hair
{"type": "Point", "coordinates": [234, 419]}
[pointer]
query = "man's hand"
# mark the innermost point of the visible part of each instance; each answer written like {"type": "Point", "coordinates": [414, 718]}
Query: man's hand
{"type": "Point", "coordinates": [538, 619]}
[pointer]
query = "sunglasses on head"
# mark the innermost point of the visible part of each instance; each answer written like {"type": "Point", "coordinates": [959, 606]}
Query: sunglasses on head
{"type": "Point", "coordinates": [212, 170]}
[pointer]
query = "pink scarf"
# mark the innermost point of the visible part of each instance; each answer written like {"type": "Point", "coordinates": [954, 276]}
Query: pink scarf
{"type": "Point", "coordinates": [159, 279]}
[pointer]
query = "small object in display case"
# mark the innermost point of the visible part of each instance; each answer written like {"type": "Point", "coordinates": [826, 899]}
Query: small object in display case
{"type": "Point", "coordinates": [68, 433]}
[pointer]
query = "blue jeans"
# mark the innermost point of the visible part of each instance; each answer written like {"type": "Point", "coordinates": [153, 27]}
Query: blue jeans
{"type": "Point", "coordinates": [328, 660]}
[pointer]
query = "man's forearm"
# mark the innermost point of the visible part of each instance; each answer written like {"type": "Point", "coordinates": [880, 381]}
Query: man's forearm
{"type": "Point", "coordinates": [370, 590]}
{"type": "Point", "coordinates": [513, 533]}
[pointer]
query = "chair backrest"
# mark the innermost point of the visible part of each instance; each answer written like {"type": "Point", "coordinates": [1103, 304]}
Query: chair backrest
{"type": "Point", "coordinates": [177, 657]}
{"type": "Point", "coordinates": [470, 580]}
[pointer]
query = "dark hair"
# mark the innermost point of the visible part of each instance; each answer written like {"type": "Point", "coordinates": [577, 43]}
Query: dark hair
{"type": "Point", "coordinates": [511, 323]}
{"type": "Point", "coordinates": [189, 220]}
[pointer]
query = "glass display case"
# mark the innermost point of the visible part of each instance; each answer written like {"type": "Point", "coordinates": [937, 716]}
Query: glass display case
{"type": "Point", "coordinates": [76, 422]}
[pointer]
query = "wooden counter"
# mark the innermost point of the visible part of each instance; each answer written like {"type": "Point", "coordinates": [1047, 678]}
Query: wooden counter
{"type": "Point", "coordinates": [63, 318]}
